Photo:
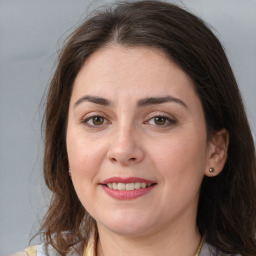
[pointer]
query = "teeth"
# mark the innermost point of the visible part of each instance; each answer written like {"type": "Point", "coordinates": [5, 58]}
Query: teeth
{"type": "Point", "coordinates": [128, 186]}
{"type": "Point", "coordinates": [121, 186]}
{"type": "Point", "coordinates": [114, 186]}
{"type": "Point", "coordinates": [137, 185]}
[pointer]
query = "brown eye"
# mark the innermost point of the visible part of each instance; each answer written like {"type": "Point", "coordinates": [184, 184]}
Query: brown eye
{"type": "Point", "coordinates": [160, 120]}
{"type": "Point", "coordinates": [97, 120]}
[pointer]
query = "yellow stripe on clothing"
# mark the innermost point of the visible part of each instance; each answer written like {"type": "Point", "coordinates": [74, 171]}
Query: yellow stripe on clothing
{"type": "Point", "coordinates": [31, 251]}
{"type": "Point", "coordinates": [89, 250]}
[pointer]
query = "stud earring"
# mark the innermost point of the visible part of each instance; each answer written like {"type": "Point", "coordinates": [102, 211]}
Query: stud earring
{"type": "Point", "coordinates": [211, 170]}
{"type": "Point", "coordinates": [69, 172]}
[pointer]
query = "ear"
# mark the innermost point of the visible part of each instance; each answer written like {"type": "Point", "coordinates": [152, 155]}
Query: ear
{"type": "Point", "coordinates": [217, 153]}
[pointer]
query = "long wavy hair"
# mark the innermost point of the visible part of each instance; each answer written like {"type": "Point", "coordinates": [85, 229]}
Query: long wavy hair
{"type": "Point", "coordinates": [227, 206]}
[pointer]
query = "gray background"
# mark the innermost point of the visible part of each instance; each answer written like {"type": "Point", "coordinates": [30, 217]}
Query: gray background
{"type": "Point", "coordinates": [31, 32]}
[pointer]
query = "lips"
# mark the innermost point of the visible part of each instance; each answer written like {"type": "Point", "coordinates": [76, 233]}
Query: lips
{"type": "Point", "coordinates": [127, 188]}
{"type": "Point", "coordinates": [126, 180]}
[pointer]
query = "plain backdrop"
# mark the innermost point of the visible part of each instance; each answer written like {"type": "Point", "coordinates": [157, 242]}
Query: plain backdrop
{"type": "Point", "coordinates": [31, 32]}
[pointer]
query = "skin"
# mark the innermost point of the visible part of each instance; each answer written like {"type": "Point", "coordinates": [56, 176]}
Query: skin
{"type": "Point", "coordinates": [127, 141]}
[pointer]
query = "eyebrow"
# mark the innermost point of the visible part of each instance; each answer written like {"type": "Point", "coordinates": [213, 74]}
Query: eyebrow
{"type": "Point", "coordinates": [93, 99]}
{"type": "Point", "coordinates": [140, 103]}
{"type": "Point", "coordinates": [160, 100]}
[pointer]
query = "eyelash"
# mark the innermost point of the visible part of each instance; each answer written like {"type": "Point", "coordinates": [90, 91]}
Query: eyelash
{"type": "Point", "coordinates": [90, 118]}
{"type": "Point", "coordinates": [167, 120]}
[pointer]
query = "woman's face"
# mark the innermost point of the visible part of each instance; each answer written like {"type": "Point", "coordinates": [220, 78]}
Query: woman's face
{"type": "Point", "coordinates": [136, 141]}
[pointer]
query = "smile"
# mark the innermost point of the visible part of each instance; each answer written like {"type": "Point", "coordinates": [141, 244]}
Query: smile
{"type": "Point", "coordinates": [128, 186]}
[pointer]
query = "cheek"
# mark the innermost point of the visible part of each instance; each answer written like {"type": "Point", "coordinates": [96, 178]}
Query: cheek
{"type": "Point", "coordinates": [181, 159]}
{"type": "Point", "coordinates": [85, 156]}
{"type": "Point", "coordinates": [83, 151]}
{"type": "Point", "coordinates": [180, 165]}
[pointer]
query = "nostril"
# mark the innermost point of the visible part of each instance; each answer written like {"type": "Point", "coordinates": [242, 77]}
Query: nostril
{"type": "Point", "coordinates": [113, 159]}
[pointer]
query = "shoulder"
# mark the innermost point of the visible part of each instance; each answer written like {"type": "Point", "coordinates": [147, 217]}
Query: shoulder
{"type": "Point", "coordinates": [20, 254]}
{"type": "Point", "coordinates": [31, 251]}
{"type": "Point", "coordinates": [48, 250]}
{"type": "Point", "coordinates": [209, 250]}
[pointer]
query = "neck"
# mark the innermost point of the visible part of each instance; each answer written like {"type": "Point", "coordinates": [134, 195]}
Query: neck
{"type": "Point", "coordinates": [183, 241]}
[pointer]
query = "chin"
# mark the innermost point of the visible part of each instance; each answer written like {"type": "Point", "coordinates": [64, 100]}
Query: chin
{"type": "Point", "coordinates": [127, 225]}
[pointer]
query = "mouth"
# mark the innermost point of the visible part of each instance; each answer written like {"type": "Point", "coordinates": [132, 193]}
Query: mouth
{"type": "Point", "coordinates": [127, 188]}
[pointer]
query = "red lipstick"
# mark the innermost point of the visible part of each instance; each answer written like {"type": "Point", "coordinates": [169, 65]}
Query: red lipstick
{"type": "Point", "coordinates": [110, 187]}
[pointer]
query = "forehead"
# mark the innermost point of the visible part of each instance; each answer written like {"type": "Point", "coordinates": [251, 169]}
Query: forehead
{"type": "Point", "coordinates": [135, 71]}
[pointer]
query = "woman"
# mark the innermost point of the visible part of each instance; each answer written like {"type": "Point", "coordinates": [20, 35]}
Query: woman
{"type": "Point", "coordinates": [148, 150]}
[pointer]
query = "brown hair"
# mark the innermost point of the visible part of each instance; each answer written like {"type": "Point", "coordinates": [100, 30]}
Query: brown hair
{"type": "Point", "coordinates": [227, 205]}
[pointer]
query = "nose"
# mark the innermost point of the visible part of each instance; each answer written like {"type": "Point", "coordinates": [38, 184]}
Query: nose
{"type": "Point", "coordinates": [125, 148]}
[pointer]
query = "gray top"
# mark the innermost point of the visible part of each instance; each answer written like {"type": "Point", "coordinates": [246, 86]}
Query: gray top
{"type": "Point", "coordinates": [207, 250]}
